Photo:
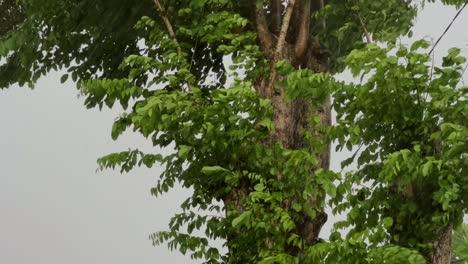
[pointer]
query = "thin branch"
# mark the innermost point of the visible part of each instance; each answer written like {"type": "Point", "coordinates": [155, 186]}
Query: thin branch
{"type": "Point", "coordinates": [168, 24]}
{"type": "Point", "coordinates": [170, 30]}
{"type": "Point", "coordinates": [448, 27]}
{"type": "Point", "coordinates": [463, 73]}
{"type": "Point", "coordinates": [284, 30]}
{"type": "Point", "coordinates": [431, 74]}
{"type": "Point", "coordinates": [354, 155]}
{"type": "Point", "coordinates": [280, 44]}
{"type": "Point", "coordinates": [366, 32]}
{"type": "Point", "coordinates": [193, 54]}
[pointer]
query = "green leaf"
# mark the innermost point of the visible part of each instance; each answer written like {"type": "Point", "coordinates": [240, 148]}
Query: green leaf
{"type": "Point", "coordinates": [211, 170]}
{"type": "Point", "coordinates": [183, 151]}
{"type": "Point", "coordinates": [241, 219]}
{"type": "Point", "coordinates": [426, 168]}
{"type": "Point", "coordinates": [267, 123]}
{"type": "Point", "coordinates": [259, 187]}
{"type": "Point", "coordinates": [388, 222]}
{"type": "Point", "coordinates": [297, 207]}
{"type": "Point", "coordinates": [64, 78]}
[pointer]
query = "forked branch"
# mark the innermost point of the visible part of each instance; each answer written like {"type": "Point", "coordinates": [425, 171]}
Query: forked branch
{"type": "Point", "coordinates": [170, 29]}
{"type": "Point", "coordinates": [168, 24]}
{"type": "Point", "coordinates": [284, 30]}
{"type": "Point", "coordinates": [280, 45]}
{"type": "Point", "coordinates": [363, 25]}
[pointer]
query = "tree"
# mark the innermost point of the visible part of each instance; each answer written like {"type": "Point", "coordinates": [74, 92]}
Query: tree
{"type": "Point", "coordinates": [253, 140]}
{"type": "Point", "coordinates": [11, 15]}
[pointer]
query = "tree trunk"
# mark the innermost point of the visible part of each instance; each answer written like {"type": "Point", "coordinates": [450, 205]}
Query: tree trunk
{"type": "Point", "coordinates": [442, 252]}
{"type": "Point", "coordinates": [291, 117]}
{"type": "Point", "coordinates": [293, 42]}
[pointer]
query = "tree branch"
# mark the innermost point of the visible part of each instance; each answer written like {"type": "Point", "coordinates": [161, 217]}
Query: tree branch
{"type": "Point", "coordinates": [304, 29]}
{"type": "Point", "coordinates": [170, 30]}
{"type": "Point", "coordinates": [284, 29]}
{"type": "Point", "coordinates": [366, 32]}
{"type": "Point", "coordinates": [168, 24]}
{"type": "Point", "coordinates": [264, 34]}
{"type": "Point", "coordinates": [280, 46]}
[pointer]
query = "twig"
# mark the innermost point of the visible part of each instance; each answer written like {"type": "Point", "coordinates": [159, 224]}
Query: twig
{"type": "Point", "coordinates": [193, 54]}
{"type": "Point", "coordinates": [280, 44]}
{"type": "Point", "coordinates": [432, 68]}
{"type": "Point", "coordinates": [431, 76]}
{"type": "Point", "coordinates": [366, 32]}
{"type": "Point", "coordinates": [170, 29]}
{"type": "Point", "coordinates": [168, 24]}
{"type": "Point", "coordinates": [354, 155]}
{"type": "Point", "coordinates": [448, 27]}
{"type": "Point", "coordinates": [463, 73]}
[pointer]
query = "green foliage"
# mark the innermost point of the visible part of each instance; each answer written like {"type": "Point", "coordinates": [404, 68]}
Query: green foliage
{"type": "Point", "coordinates": [408, 118]}
{"type": "Point", "coordinates": [346, 21]}
{"type": "Point", "coordinates": [412, 121]}
{"type": "Point", "coordinates": [11, 15]}
{"type": "Point", "coordinates": [217, 137]}
{"type": "Point", "coordinates": [304, 83]}
{"type": "Point", "coordinates": [460, 244]}
{"type": "Point", "coordinates": [88, 38]}
{"type": "Point", "coordinates": [91, 38]}
{"type": "Point", "coordinates": [354, 251]}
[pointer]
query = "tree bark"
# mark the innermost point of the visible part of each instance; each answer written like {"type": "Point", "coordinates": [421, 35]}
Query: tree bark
{"type": "Point", "coordinates": [300, 48]}
{"type": "Point", "coordinates": [291, 116]}
{"type": "Point", "coordinates": [290, 119]}
{"type": "Point", "coordinates": [442, 252]}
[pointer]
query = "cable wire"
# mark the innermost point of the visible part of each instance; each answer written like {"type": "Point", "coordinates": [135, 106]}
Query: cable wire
{"type": "Point", "coordinates": [448, 27]}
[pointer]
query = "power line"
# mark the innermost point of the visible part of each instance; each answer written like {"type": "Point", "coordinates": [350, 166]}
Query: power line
{"type": "Point", "coordinates": [448, 27]}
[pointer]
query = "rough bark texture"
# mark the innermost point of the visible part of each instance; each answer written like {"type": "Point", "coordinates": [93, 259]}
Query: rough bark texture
{"type": "Point", "coordinates": [442, 253]}
{"type": "Point", "coordinates": [284, 34]}
{"type": "Point", "coordinates": [296, 45]}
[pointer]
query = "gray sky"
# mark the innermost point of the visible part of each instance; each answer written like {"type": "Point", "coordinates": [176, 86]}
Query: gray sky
{"type": "Point", "coordinates": [54, 207]}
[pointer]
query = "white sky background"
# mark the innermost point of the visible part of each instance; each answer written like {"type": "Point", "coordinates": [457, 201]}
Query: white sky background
{"type": "Point", "coordinates": [54, 207]}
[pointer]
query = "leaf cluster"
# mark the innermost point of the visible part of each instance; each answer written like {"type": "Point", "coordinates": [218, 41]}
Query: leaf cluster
{"type": "Point", "coordinates": [408, 117]}
{"type": "Point", "coordinates": [411, 120]}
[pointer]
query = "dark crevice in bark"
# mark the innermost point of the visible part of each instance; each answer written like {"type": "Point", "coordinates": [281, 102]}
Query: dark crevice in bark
{"type": "Point", "coordinates": [276, 11]}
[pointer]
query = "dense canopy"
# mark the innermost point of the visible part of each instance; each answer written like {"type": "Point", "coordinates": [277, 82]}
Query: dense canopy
{"type": "Point", "coordinates": [252, 137]}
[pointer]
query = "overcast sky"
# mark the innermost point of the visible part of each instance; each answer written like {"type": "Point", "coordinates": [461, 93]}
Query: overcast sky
{"type": "Point", "coordinates": [55, 208]}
